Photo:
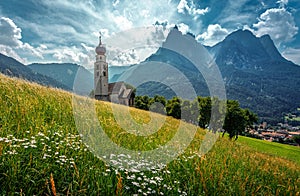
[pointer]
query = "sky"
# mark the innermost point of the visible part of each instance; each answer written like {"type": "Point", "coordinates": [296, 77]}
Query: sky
{"type": "Point", "coordinates": [68, 30]}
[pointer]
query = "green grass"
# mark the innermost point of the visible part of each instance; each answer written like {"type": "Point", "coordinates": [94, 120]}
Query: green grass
{"type": "Point", "coordinates": [296, 119]}
{"type": "Point", "coordinates": [42, 152]}
{"type": "Point", "coordinates": [271, 148]}
{"type": "Point", "coordinates": [292, 119]}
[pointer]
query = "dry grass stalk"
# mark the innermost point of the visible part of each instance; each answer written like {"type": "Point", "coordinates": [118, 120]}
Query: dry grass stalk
{"type": "Point", "coordinates": [52, 185]}
{"type": "Point", "coordinates": [119, 185]}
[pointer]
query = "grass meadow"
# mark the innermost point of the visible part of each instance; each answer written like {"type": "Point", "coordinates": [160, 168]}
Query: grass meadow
{"type": "Point", "coordinates": [42, 153]}
{"type": "Point", "coordinates": [272, 148]}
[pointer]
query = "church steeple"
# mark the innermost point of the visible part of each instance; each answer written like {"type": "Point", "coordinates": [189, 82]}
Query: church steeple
{"type": "Point", "coordinates": [100, 49]}
{"type": "Point", "coordinates": [101, 73]}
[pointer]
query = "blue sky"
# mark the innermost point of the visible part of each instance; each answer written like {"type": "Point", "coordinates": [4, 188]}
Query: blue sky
{"type": "Point", "coordinates": [67, 30]}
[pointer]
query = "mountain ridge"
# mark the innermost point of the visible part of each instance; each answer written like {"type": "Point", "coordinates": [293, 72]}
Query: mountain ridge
{"type": "Point", "coordinates": [253, 70]}
{"type": "Point", "coordinates": [74, 76]}
{"type": "Point", "coordinates": [11, 67]}
{"type": "Point", "coordinates": [268, 78]}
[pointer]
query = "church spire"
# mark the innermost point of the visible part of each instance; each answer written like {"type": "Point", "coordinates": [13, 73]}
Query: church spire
{"type": "Point", "coordinates": [100, 49]}
{"type": "Point", "coordinates": [100, 42]}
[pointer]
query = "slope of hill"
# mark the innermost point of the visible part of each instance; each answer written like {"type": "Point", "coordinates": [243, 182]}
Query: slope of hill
{"type": "Point", "coordinates": [12, 67]}
{"type": "Point", "coordinates": [42, 152]}
{"type": "Point", "coordinates": [116, 71]}
{"type": "Point", "coordinates": [66, 73]}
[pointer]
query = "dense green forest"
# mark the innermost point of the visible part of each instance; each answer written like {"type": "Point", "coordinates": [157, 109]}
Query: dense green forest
{"type": "Point", "coordinates": [230, 116]}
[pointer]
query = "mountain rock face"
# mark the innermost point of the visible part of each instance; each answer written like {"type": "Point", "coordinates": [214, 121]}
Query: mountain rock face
{"type": "Point", "coordinates": [245, 51]}
{"type": "Point", "coordinates": [14, 68]}
{"type": "Point", "coordinates": [253, 71]}
{"type": "Point", "coordinates": [74, 76]}
{"type": "Point", "coordinates": [168, 72]}
{"type": "Point", "coordinates": [257, 75]}
{"type": "Point", "coordinates": [270, 48]}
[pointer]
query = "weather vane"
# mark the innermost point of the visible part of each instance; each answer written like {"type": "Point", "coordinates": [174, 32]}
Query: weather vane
{"type": "Point", "coordinates": [100, 37]}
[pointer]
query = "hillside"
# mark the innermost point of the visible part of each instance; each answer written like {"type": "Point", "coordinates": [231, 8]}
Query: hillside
{"type": "Point", "coordinates": [12, 67]}
{"type": "Point", "coordinates": [67, 74]}
{"type": "Point", "coordinates": [42, 151]}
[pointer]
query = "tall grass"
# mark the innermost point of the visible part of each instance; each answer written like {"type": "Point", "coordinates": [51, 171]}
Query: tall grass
{"type": "Point", "coordinates": [42, 153]}
{"type": "Point", "coordinates": [272, 148]}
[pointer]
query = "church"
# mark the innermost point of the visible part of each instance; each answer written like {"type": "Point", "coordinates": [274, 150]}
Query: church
{"type": "Point", "coordinates": [117, 92]}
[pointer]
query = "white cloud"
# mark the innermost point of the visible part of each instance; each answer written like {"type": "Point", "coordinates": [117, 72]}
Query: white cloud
{"type": "Point", "coordinates": [83, 56]}
{"type": "Point", "coordinates": [35, 51]}
{"type": "Point", "coordinates": [278, 23]}
{"type": "Point", "coordinates": [62, 26]}
{"type": "Point", "coordinates": [134, 45]}
{"type": "Point", "coordinates": [10, 34]}
{"type": "Point", "coordinates": [214, 34]}
{"type": "Point", "coordinates": [282, 3]}
{"type": "Point", "coordinates": [87, 48]}
{"type": "Point", "coordinates": [8, 51]}
{"type": "Point", "coordinates": [125, 58]}
{"type": "Point", "coordinates": [104, 33]}
{"type": "Point", "coordinates": [11, 45]}
{"type": "Point", "coordinates": [183, 28]}
{"type": "Point", "coordinates": [145, 13]}
{"type": "Point", "coordinates": [183, 7]}
{"type": "Point", "coordinates": [125, 48]}
{"type": "Point", "coordinates": [113, 15]}
{"type": "Point", "coordinates": [10, 41]}
{"type": "Point", "coordinates": [292, 54]}
{"type": "Point", "coordinates": [122, 22]}
{"type": "Point", "coordinates": [116, 2]}
{"type": "Point", "coordinates": [231, 13]}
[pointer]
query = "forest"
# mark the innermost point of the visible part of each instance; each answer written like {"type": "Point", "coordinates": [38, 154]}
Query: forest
{"type": "Point", "coordinates": [208, 113]}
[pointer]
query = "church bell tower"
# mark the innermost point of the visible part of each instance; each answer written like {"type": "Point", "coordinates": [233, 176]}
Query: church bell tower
{"type": "Point", "coordinates": [101, 73]}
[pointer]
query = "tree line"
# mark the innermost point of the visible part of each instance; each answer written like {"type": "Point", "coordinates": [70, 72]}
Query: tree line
{"type": "Point", "coordinates": [205, 112]}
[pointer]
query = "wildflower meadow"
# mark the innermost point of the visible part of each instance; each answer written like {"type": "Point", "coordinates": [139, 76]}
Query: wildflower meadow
{"type": "Point", "coordinates": [42, 152]}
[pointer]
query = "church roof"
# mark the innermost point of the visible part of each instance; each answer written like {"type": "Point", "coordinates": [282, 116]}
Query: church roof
{"type": "Point", "coordinates": [120, 89]}
{"type": "Point", "coordinates": [126, 93]}
{"type": "Point", "coordinates": [114, 88]}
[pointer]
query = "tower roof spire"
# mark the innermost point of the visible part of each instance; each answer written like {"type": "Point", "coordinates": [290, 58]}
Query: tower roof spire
{"type": "Point", "coordinates": [100, 42]}
{"type": "Point", "coordinates": [100, 49]}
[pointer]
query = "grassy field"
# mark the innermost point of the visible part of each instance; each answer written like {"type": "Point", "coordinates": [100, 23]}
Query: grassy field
{"type": "Point", "coordinates": [272, 148]}
{"type": "Point", "coordinates": [42, 152]}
